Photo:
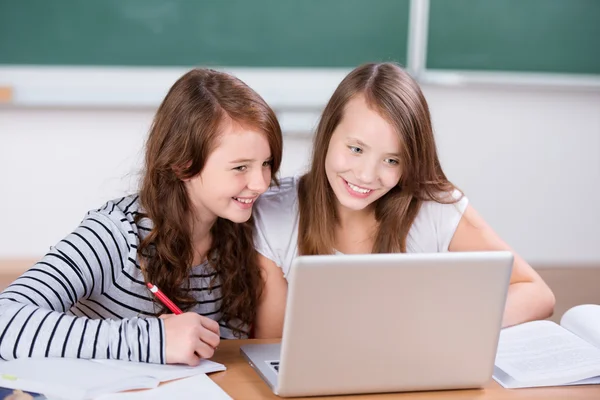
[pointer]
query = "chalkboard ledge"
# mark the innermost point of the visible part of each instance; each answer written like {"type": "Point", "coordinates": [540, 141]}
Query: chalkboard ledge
{"type": "Point", "coordinates": [509, 79]}
{"type": "Point", "coordinates": [282, 88]}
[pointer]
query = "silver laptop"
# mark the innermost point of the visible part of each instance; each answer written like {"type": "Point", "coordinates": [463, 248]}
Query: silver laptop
{"type": "Point", "coordinates": [387, 323]}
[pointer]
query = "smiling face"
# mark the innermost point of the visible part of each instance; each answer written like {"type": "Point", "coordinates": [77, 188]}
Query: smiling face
{"type": "Point", "coordinates": [236, 172]}
{"type": "Point", "coordinates": [363, 157]}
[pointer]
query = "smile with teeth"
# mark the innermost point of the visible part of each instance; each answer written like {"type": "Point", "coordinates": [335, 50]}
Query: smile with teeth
{"type": "Point", "coordinates": [245, 201]}
{"type": "Point", "coordinates": [358, 189]}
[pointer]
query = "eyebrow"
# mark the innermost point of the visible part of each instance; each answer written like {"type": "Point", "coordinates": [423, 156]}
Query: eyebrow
{"type": "Point", "coordinates": [363, 144]}
{"type": "Point", "coordinates": [245, 160]}
{"type": "Point", "coordinates": [359, 142]}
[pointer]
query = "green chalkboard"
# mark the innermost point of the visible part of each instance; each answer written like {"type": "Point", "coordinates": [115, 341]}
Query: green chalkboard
{"type": "Point", "coordinates": [250, 33]}
{"type": "Point", "coordinates": [554, 36]}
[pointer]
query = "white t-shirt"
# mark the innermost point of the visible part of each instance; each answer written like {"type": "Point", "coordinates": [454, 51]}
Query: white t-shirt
{"type": "Point", "coordinates": [276, 218]}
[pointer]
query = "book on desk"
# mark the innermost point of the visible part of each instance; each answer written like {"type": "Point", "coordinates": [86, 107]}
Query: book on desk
{"type": "Point", "coordinates": [543, 353]}
{"type": "Point", "coordinates": [76, 379]}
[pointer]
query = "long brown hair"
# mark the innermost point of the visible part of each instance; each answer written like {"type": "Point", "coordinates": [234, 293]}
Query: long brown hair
{"type": "Point", "coordinates": [390, 91]}
{"type": "Point", "coordinates": [183, 134]}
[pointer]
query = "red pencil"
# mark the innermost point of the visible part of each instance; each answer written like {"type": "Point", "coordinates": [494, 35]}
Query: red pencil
{"type": "Point", "coordinates": [164, 299]}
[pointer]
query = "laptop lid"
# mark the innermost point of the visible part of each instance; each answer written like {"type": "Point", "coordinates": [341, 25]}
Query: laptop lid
{"type": "Point", "coordinates": [392, 322]}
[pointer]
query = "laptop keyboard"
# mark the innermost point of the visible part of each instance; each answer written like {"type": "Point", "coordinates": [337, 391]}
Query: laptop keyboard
{"type": "Point", "coordinates": [274, 365]}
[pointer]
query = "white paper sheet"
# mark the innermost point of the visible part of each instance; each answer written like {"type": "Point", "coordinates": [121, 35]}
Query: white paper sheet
{"type": "Point", "coordinates": [195, 387]}
{"type": "Point", "coordinates": [165, 373]}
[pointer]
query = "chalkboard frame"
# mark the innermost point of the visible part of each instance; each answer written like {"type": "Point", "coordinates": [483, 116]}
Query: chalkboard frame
{"type": "Point", "coordinates": [417, 62]}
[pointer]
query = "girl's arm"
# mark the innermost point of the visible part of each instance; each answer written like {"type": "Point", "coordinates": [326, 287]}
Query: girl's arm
{"type": "Point", "coordinates": [271, 306]}
{"type": "Point", "coordinates": [33, 310]}
{"type": "Point", "coordinates": [529, 298]}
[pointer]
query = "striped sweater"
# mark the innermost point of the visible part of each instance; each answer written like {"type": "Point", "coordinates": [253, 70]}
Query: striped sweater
{"type": "Point", "coordinates": [87, 298]}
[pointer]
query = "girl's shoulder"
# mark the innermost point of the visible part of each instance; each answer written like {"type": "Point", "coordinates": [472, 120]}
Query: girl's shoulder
{"type": "Point", "coordinates": [447, 203]}
{"type": "Point", "coordinates": [124, 215]}
{"type": "Point", "coordinates": [276, 221]}
{"type": "Point", "coordinates": [278, 201]}
{"type": "Point", "coordinates": [435, 224]}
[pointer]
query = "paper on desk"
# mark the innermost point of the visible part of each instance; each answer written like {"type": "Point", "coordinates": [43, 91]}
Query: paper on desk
{"type": "Point", "coordinates": [79, 379]}
{"type": "Point", "coordinates": [198, 386]}
{"type": "Point", "coordinates": [69, 378]}
{"type": "Point", "coordinates": [165, 373]}
{"type": "Point", "coordinates": [541, 353]}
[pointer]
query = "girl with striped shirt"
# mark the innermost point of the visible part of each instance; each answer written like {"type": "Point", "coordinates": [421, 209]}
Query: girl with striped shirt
{"type": "Point", "coordinates": [213, 148]}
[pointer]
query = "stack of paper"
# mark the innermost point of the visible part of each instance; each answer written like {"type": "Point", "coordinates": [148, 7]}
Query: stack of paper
{"type": "Point", "coordinates": [75, 379]}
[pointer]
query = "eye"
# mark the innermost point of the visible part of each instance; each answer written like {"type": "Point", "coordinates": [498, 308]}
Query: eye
{"type": "Point", "coordinates": [392, 161]}
{"type": "Point", "coordinates": [267, 163]}
{"type": "Point", "coordinates": [241, 168]}
{"type": "Point", "coordinates": [355, 149]}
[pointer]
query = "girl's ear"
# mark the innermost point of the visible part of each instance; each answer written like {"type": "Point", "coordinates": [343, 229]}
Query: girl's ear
{"type": "Point", "coordinates": [180, 170]}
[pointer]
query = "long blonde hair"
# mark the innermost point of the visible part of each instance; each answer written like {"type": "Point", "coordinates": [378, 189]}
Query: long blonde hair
{"type": "Point", "coordinates": [390, 91]}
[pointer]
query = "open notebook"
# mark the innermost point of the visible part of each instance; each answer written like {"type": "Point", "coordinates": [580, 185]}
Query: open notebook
{"type": "Point", "coordinates": [74, 379]}
{"type": "Point", "coordinates": [543, 353]}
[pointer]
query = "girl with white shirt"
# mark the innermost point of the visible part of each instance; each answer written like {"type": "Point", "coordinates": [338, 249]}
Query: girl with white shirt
{"type": "Point", "coordinates": [376, 185]}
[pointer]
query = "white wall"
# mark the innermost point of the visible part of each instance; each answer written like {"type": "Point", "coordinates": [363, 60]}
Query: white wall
{"type": "Point", "coordinates": [529, 160]}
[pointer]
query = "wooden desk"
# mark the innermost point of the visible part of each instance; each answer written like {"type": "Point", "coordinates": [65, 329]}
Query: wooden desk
{"type": "Point", "coordinates": [240, 381]}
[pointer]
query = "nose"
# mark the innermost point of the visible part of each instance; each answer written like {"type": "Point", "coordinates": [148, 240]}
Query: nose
{"type": "Point", "coordinates": [366, 172]}
{"type": "Point", "coordinates": [259, 180]}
